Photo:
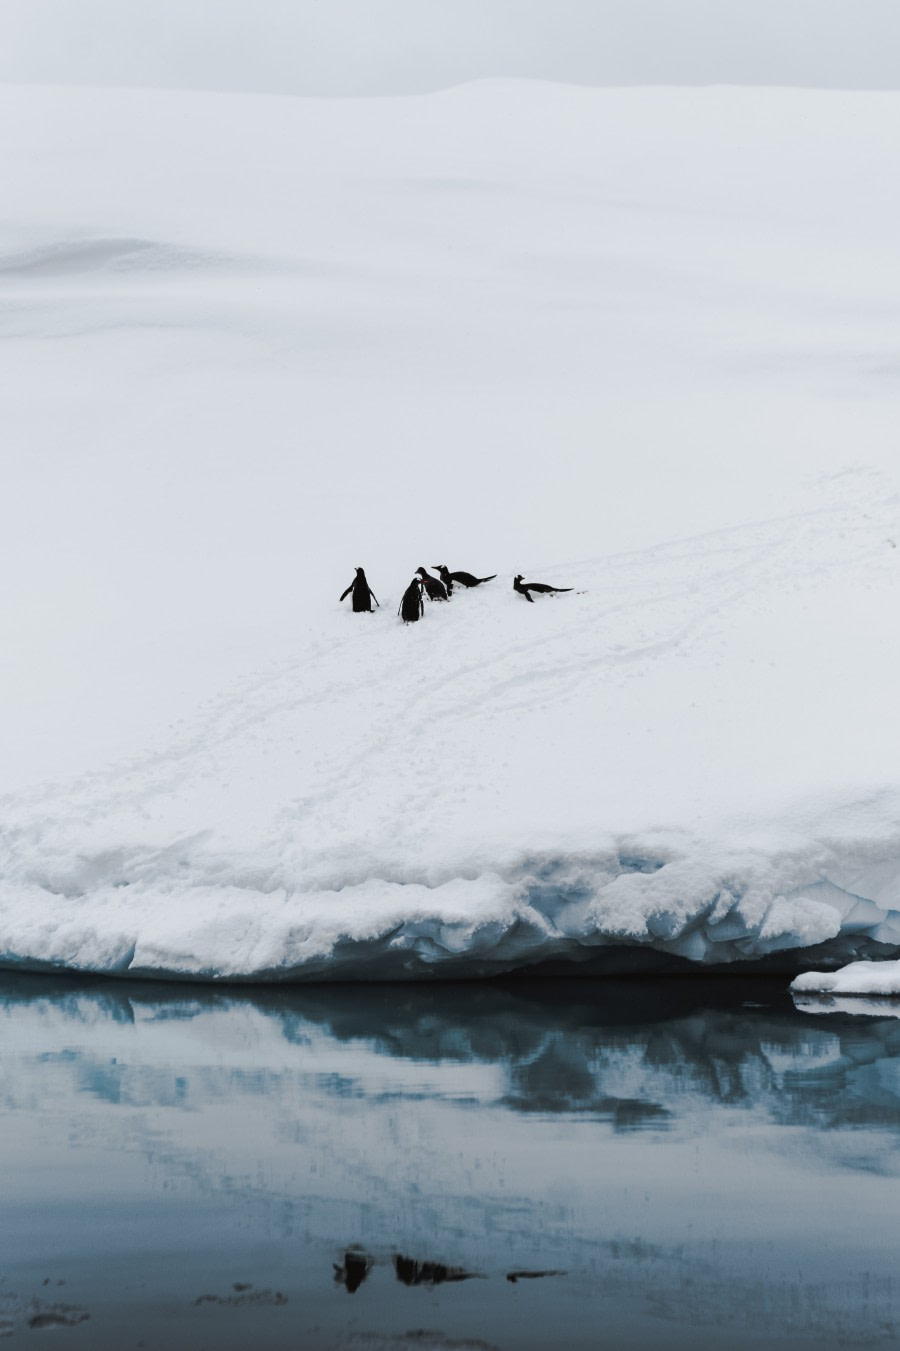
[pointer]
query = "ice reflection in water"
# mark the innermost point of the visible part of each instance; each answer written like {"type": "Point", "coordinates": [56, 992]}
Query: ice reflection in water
{"type": "Point", "coordinates": [631, 1164]}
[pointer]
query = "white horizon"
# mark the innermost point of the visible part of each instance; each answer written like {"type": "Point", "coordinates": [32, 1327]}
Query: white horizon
{"type": "Point", "coordinates": [382, 48]}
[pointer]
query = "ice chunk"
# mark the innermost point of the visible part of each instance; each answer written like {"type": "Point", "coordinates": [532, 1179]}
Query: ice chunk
{"type": "Point", "coordinates": [858, 978]}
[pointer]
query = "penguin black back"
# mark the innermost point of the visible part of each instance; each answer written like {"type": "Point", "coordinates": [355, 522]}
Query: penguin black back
{"type": "Point", "coordinates": [363, 595]}
{"type": "Point", "coordinates": [412, 607]}
{"type": "Point", "coordinates": [525, 588]}
{"type": "Point", "coordinates": [444, 573]}
{"type": "Point", "coordinates": [463, 578]}
{"type": "Point", "coordinates": [435, 589]}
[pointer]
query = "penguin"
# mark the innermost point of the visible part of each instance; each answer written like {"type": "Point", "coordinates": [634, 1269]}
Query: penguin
{"type": "Point", "coordinates": [355, 1268]}
{"type": "Point", "coordinates": [525, 588]}
{"type": "Point", "coordinates": [464, 578]}
{"type": "Point", "coordinates": [363, 595]}
{"type": "Point", "coordinates": [412, 607]}
{"type": "Point", "coordinates": [436, 590]}
{"type": "Point", "coordinates": [441, 569]}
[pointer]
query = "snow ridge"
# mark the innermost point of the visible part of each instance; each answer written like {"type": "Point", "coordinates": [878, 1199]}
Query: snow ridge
{"type": "Point", "coordinates": [569, 909]}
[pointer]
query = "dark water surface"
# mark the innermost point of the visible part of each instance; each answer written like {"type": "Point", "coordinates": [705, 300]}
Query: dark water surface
{"type": "Point", "coordinates": [697, 1164]}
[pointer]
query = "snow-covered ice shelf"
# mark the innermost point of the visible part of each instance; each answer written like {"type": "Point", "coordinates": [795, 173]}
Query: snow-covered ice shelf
{"type": "Point", "coordinates": [252, 343]}
{"type": "Point", "coordinates": [503, 784]}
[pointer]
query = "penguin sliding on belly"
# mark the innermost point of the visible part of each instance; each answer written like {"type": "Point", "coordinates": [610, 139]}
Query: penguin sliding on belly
{"type": "Point", "coordinates": [363, 595]}
{"type": "Point", "coordinates": [525, 588]}
{"type": "Point", "coordinates": [463, 578]}
{"type": "Point", "coordinates": [412, 607]}
{"type": "Point", "coordinates": [436, 590]}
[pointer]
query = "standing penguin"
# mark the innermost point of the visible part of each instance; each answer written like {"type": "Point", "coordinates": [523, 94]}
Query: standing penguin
{"type": "Point", "coordinates": [525, 588]}
{"type": "Point", "coordinates": [443, 572]}
{"type": "Point", "coordinates": [436, 590]}
{"type": "Point", "coordinates": [464, 578]}
{"type": "Point", "coordinates": [412, 606]}
{"type": "Point", "coordinates": [363, 595]}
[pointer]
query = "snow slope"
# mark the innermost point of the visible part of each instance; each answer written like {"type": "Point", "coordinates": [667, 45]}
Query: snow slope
{"type": "Point", "coordinates": [639, 342]}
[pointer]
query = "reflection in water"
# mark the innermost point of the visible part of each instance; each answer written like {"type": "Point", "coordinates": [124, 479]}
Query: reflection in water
{"type": "Point", "coordinates": [685, 1158]}
{"type": "Point", "coordinates": [869, 1006]}
{"type": "Point", "coordinates": [241, 1294]}
{"type": "Point", "coordinates": [410, 1271]}
{"type": "Point", "coordinates": [353, 1270]}
{"type": "Point", "coordinates": [551, 1056]}
{"type": "Point", "coordinates": [532, 1275]}
{"type": "Point", "coordinates": [60, 1316]}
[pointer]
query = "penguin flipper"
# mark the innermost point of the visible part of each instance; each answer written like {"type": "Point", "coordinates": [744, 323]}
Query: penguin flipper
{"type": "Point", "coordinates": [347, 592]}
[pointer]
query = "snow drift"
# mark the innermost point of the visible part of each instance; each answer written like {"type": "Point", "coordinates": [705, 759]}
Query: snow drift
{"type": "Point", "coordinates": [253, 343]}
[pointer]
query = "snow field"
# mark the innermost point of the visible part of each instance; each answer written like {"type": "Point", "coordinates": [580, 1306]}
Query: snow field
{"type": "Point", "coordinates": [401, 799]}
{"type": "Point", "coordinates": [253, 343]}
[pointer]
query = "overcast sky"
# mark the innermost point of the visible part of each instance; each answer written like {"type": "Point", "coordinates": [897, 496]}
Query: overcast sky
{"type": "Point", "coordinates": [342, 47]}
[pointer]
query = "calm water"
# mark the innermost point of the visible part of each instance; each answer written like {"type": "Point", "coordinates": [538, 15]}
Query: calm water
{"type": "Point", "coordinates": [699, 1164]}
